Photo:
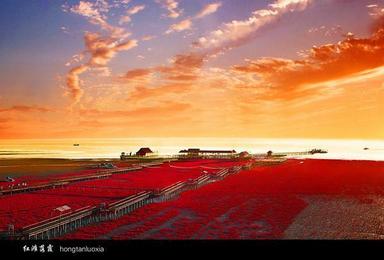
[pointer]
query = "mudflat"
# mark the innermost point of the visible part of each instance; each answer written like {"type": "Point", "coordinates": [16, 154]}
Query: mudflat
{"type": "Point", "coordinates": [41, 167]}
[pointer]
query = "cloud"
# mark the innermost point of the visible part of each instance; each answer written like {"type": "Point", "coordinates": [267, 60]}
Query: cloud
{"type": "Point", "coordinates": [100, 48]}
{"type": "Point", "coordinates": [137, 73]}
{"type": "Point", "coordinates": [188, 61]}
{"type": "Point", "coordinates": [86, 9]}
{"type": "Point", "coordinates": [130, 12]}
{"type": "Point", "coordinates": [148, 37]}
{"type": "Point", "coordinates": [327, 31]}
{"type": "Point", "coordinates": [125, 19]}
{"type": "Point", "coordinates": [135, 9]}
{"type": "Point", "coordinates": [172, 6]}
{"type": "Point", "coordinates": [75, 59]}
{"type": "Point", "coordinates": [178, 77]}
{"type": "Point", "coordinates": [239, 32]}
{"type": "Point", "coordinates": [164, 83]}
{"type": "Point", "coordinates": [180, 26]}
{"type": "Point", "coordinates": [140, 93]}
{"type": "Point", "coordinates": [140, 57]}
{"type": "Point", "coordinates": [286, 79]}
{"type": "Point", "coordinates": [186, 68]}
{"type": "Point", "coordinates": [95, 12]}
{"type": "Point", "coordinates": [103, 49]}
{"type": "Point", "coordinates": [377, 13]}
{"type": "Point", "coordinates": [182, 68]}
{"type": "Point", "coordinates": [186, 24]}
{"type": "Point", "coordinates": [73, 82]}
{"type": "Point", "coordinates": [208, 9]}
{"type": "Point", "coordinates": [24, 108]}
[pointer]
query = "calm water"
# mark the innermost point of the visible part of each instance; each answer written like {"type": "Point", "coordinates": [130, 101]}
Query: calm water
{"type": "Point", "coordinates": [111, 148]}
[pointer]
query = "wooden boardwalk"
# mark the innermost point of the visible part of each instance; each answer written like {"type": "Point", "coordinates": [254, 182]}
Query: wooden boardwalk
{"type": "Point", "coordinates": [60, 225]}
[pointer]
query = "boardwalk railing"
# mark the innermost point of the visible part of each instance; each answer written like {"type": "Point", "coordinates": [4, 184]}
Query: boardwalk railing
{"type": "Point", "coordinates": [54, 184]}
{"type": "Point", "coordinates": [169, 192]}
{"type": "Point", "coordinates": [124, 206]}
{"type": "Point", "coordinates": [52, 227]}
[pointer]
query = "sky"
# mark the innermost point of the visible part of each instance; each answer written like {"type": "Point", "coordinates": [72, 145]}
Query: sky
{"type": "Point", "coordinates": [182, 68]}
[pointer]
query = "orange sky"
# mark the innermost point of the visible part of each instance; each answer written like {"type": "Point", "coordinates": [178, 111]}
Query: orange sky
{"type": "Point", "coordinates": [228, 80]}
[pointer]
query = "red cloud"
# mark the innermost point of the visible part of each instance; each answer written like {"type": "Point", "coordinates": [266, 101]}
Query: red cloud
{"type": "Point", "coordinates": [284, 77]}
{"type": "Point", "coordinates": [180, 26]}
{"type": "Point", "coordinates": [172, 6]}
{"type": "Point", "coordinates": [208, 9]}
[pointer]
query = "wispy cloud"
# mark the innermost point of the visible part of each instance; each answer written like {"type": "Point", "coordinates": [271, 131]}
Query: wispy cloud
{"type": "Point", "coordinates": [125, 19]}
{"type": "Point", "coordinates": [183, 67]}
{"type": "Point", "coordinates": [137, 73]}
{"type": "Point", "coordinates": [172, 6]}
{"type": "Point", "coordinates": [103, 49]}
{"type": "Point", "coordinates": [100, 48]}
{"type": "Point", "coordinates": [148, 37]}
{"type": "Point", "coordinates": [73, 82]}
{"type": "Point", "coordinates": [187, 23]}
{"type": "Point", "coordinates": [377, 13]}
{"type": "Point", "coordinates": [327, 31]}
{"type": "Point", "coordinates": [208, 9]}
{"type": "Point", "coordinates": [180, 26]}
{"type": "Point", "coordinates": [95, 12]}
{"type": "Point", "coordinates": [134, 10]}
{"type": "Point", "coordinates": [229, 35]}
{"type": "Point", "coordinates": [239, 32]}
{"type": "Point", "coordinates": [141, 93]}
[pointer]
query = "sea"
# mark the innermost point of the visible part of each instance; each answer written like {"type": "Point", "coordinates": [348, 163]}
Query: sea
{"type": "Point", "coordinates": [112, 147]}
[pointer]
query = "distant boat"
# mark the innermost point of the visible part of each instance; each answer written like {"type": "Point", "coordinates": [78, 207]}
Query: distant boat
{"type": "Point", "coordinates": [76, 144]}
{"type": "Point", "coordinates": [366, 148]}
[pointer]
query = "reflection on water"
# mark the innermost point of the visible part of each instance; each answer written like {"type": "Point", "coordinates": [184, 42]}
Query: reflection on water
{"type": "Point", "coordinates": [112, 147]}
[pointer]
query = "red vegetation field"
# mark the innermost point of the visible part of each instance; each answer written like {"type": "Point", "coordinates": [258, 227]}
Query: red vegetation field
{"type": "Point", "coordinates": [257, 204]}
{"type": "Point", "coordinates": [28, 208]}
